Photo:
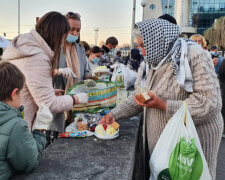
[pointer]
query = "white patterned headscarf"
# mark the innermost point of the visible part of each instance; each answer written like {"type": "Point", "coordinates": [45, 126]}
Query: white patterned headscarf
{"type": "Point", "coordinates": [162, 45]}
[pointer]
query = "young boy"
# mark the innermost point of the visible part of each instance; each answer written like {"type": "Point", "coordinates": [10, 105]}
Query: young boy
{"type": "Point", "coordinates": [20, 149]}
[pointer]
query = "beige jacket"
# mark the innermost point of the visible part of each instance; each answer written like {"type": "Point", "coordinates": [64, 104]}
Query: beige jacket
{"type": "Point", "coordinates": [32, 55]}
{"type": "Point", "coordinates": [204, 104]}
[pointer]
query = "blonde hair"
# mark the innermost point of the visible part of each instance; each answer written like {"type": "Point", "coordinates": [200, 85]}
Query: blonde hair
{"type": "Point", "coordinates": [204, 43]}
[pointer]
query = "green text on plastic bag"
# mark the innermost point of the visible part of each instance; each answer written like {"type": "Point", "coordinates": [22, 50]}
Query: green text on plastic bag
{"type": "Point", "coordinates": [185, 161]}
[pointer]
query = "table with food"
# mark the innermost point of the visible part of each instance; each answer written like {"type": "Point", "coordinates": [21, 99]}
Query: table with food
{"type": "Point", "coordinates": [88, 150]}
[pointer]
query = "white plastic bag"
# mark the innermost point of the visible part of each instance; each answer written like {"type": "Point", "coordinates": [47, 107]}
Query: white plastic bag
{"type": "Point", "coordinates": [178, 153]}
{"type": "Point", "coordinates": [130, 76]}
{"type": "Point", "coordinates": [73, 126]}
{"type": "Point", "coordinates": [44, 118]}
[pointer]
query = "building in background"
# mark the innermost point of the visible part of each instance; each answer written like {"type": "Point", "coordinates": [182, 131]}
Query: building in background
{"type": "Point", "coordinates": [193, 16]}
{"type": "Point", "coordinates": [156, 8]}
{"type": "Point", "coordinates": [203, 13]}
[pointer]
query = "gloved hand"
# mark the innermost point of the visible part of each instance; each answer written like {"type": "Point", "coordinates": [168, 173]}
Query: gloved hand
{"type": "Point", "coordinates": [67, 72]}
{"type": "Point", "coordinates": [93, 75]}
{"type": "Point", "coordinates": [81, 98]}
{"type": "Point", "coordinates": [44, 118]}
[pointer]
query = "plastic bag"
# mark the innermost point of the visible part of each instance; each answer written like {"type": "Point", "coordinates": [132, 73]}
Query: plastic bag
{"type": "Point", "coordinates": [178, 153]}
{"type": "Point", "coordinates": [130, 76]}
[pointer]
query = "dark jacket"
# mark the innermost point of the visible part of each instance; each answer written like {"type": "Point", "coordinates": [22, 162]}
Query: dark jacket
{"type": "Point", "coordinates": [220, 60]}
{"type": "Point", "coordinates": [105, 59]}
{"type": "Point", "coordinates": [20, 150]}
{"type": "Point", "coordinates": [135, 60]}
{"type": "Point", "coordinates": [221, 76]}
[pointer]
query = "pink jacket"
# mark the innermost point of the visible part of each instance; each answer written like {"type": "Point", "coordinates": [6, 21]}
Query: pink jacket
{"type": "Point", "coordinates": [32, 55]}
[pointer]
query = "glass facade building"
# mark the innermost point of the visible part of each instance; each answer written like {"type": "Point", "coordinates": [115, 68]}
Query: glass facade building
{"type": "Point", "coordinates": [194, 16]}
{"type": "Point", "coordinates": [202, 13]}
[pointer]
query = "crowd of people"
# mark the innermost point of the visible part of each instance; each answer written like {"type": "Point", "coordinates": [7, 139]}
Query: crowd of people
{"type": "Point", "coordinates": [38, 67]}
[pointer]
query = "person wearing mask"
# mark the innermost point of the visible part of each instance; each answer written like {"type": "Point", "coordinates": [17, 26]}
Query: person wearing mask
{"type": "Point", "coordinates": [135, 59]}
{"type": "Point", "coordinates": [94, 58]}
{"type": "Point", "coordinates": [109, 46]}
{"type": "Point", "coordinates": [179, 70]}
{"type": "Point", "coordinates": [216, 58]}
{"type": "Point", "coordinates": [118, 57]}
{"type": "Point", "coordinates": [199, 39]}
{"type": "Point", "coordinates": [37, 54]}
{"type": "Point", "coordinates": [73, 55]}
{"type": "Point", "coordinates": [144, 69]}
{"type": "Point", "coordinates": [73, 67]}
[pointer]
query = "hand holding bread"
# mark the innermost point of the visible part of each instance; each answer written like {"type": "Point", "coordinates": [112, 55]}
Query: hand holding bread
{"type": "Point", "coordinates": [150, 100]}
{"type": "Point", "coordinates": [107, 119]}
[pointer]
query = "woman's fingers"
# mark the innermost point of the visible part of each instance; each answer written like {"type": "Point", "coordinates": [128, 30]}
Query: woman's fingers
{"type": "Point", "coordinates": [138, 102]}
{"type": "Point", "coordinates": [152, 95]}
{"type": "Point", "coordinates": [102, 121]}
{"type": "Point", "coordinates": [62, 91]}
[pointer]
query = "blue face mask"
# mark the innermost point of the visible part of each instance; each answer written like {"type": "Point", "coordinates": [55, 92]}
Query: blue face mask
{"type": "Point", "coordinates": [71, 39]}
{"type": "Point", "coordinates": [95, 60]}
{"type": "Point", "coordinates": [140, 52]}
{"type": "Point", "coordinates": [112, 50]}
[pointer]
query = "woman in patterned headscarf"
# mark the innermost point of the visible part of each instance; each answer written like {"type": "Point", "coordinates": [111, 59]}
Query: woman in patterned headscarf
{"type": "Point", "coordinates": [179, 70]}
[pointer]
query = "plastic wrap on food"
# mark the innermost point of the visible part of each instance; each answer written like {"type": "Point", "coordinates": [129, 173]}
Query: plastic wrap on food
{"type": "Point", "coordinates": [92, 121]}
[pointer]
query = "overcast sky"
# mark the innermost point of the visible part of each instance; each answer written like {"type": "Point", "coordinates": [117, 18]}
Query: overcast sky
{"type": "Point", "coordinates": [112, 17]}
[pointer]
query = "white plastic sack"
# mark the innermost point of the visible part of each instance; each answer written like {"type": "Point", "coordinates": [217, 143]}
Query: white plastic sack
{"type": "Point", "coordinates": [73, 127]}
{"type": "Point", "coordinates": [178, 153]}
{"type": "Point", "coordinates": [130, 76]}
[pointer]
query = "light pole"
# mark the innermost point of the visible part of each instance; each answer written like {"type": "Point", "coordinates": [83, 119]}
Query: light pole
{"type": "Point", "coordinates": [181, 23]}
{"type": "Point", "coordinates": [143, 4]}
{"type": "Point", "coordinates": [133, 22]}
{"type": "Point", "coordinates": [96, 36]}
{"type": "Point", "coordinates": [18, 17]}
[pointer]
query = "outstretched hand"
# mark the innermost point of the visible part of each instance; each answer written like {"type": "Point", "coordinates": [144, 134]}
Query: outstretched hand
{"type": "Point", "coordinates": [107, 119]}
{"type": "Point", "coordinates": [154, 102]}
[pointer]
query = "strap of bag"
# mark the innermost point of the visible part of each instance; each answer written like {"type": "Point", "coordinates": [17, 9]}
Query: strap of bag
{"type": "Point", "coordinates": [185, 113]}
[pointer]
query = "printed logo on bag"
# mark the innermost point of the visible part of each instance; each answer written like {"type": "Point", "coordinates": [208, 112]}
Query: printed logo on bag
{"type": "Point", "coordinates": [185, 162]}
{"type": "Point", "coordinates": [164, 175]}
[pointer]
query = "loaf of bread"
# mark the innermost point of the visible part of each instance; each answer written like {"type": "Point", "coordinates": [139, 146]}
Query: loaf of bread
{"type": "Point", "coordinates": [115, 125]}
{"type": "Point", "coordinates": [143, 97]}
{"type": "Point", "coordinates": [81, 126]}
